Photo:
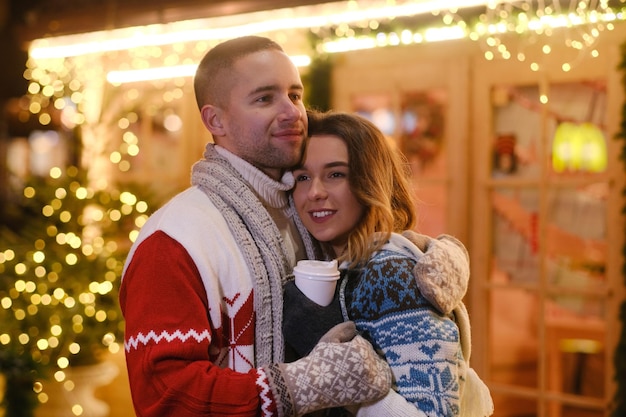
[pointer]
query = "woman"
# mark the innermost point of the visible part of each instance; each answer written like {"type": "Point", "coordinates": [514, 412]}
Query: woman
{"type": "Point", "coordinates": [354, 195]}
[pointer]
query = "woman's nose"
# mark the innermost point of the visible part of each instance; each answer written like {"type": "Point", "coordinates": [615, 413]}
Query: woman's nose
{"type": "Point", "coordinates": [317, 190]}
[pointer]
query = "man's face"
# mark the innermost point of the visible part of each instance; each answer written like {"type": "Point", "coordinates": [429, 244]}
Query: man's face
{"type": "Point", "coordinates": [263, 119]}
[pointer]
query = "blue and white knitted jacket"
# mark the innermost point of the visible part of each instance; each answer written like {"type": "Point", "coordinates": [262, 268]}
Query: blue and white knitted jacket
{"type": "Point", "coordinates": [421, 345]}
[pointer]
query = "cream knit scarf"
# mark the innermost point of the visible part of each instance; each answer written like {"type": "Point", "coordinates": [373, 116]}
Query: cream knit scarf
{"type": "Point", "coordinates": [260, 242]}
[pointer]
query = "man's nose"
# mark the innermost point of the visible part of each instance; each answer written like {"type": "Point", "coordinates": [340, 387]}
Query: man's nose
{"type": "Point", "coordinates": [291, 110]}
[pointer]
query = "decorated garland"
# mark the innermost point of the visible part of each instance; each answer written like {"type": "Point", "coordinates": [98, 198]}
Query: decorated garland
{"type": "Point", "coordinates": [620, 350]}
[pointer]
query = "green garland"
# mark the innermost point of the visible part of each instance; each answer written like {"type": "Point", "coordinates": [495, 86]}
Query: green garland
{"type": "Point", "coordinates": [620, 351]}
{"type": "Point", "coordinates": [317, 79]}
{"type": "Point", "coordinates": [317, 83]}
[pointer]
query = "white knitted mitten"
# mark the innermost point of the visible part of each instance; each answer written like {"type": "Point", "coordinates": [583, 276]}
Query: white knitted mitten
{"type": "Point", "coordinates": [442, 272]}
{"type": "Point", "coordinates": [391, 405]}
{"type": "Point", "coordinates": [342, 369]}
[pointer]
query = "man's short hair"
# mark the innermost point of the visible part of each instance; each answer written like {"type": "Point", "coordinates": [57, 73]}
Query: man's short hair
{"type": "Point", "coordinates": [209, 82]}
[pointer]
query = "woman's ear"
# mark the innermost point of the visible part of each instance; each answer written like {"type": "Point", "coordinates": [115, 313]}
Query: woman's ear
{"type": "Point", "coordinates": [212, 119]}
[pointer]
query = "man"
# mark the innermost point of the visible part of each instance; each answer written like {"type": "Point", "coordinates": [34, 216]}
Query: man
{"type": "Point", "coordinates": [202, 287]}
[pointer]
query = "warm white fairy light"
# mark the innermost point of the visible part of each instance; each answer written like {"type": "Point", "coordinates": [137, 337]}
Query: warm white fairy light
{"type": "Point", "coordinates": [580, 22]}
{"type": "Point", "coordinates": [58, 256]}
{"type": "Point", "coordinates": [220, 28]}
{"type": "Point", "coordinates": [349, 44]}
{"type": "Point", "coordinates": [176, 71]}
{"type": "Point", "coordinates": [499, 19]}
{"type": "Point", "coordinates": [149, 74]}
{"type": "Point", "coordinates": [62, 70]}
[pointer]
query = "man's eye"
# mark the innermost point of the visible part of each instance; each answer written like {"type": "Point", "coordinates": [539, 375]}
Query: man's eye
{"type": "Point", "coordinates": [295, 97]}
{"type": "Point", "coordinates": [264, 99]}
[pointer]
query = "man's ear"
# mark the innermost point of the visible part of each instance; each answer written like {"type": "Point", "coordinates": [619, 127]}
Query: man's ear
{"type": "Point", "coordinates": [212, 119]}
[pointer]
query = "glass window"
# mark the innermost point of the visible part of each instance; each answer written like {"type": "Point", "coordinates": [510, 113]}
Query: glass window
{"type": "Point", "coordinates": [547, 285]}
{"type": "Point", "coordinates": [576, 128]}
{"type": "Point", "coordinates": [515, 235]}
{"type": "Point", "coordinates": [516, 144]}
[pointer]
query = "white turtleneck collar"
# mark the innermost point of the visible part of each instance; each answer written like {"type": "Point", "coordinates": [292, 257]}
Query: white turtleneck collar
{"type": "Point", "coordinates": [271, 192]}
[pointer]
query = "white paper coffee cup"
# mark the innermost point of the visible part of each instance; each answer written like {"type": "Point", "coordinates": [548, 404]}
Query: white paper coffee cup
{"type": "Point", "coordinates": [317, 280]}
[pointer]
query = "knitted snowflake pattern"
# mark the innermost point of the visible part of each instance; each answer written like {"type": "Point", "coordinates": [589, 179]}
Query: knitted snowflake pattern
{"type": "Point", "coordinates": [421, 345]}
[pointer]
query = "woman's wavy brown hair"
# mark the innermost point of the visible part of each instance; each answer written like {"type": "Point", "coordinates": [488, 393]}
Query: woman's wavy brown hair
{"type": "Point", "coordinates": [379, 178]}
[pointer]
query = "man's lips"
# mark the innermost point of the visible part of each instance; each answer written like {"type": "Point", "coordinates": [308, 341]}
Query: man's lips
{"type": "Point", "coordinates": [290, 133]}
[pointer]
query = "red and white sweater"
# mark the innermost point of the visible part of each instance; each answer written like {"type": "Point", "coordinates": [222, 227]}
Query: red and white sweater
{"type": "Point", "coordinates": [187, 298]}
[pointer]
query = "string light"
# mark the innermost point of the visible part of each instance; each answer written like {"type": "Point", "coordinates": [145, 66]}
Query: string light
{"type": "Point", "coordinates": [65, 268]}
{"type": "Point", "coordinates": [176, 71]}
{"type": "Point", "coordinates": [143, 44]}
{"type": "Point", "coordinates": [221, 28]}
{"type": "Point", "coordinates": [520, 28]}
{"type": "Point", "coordinates": [61, 73]}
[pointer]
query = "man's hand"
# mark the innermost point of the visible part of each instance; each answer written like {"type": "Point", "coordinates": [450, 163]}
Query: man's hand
{"type": "Point", "coordinates": [443, 272]}
{"type": "Point", "coordinates": [342, 369]}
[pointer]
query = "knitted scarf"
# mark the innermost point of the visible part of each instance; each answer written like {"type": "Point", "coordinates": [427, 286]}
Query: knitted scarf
{"type": "Point", "coordinates": [261, 244]}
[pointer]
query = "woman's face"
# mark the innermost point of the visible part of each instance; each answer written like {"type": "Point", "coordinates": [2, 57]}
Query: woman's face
{"type": "Point", "coordinates": [323, 198]}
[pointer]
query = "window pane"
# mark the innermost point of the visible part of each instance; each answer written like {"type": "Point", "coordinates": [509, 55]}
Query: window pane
{"type": "Point", "coordinates": [514, 358]}
{"type": "Point", "coordinates": [377, 109]}
{"type": "Point", "coordinates": [515, 235]}
{"type": "Point", "coordinates": [422, 133]}
{"type": "Point", "coordinates": [576, 128]}
{"type": "Point", "coordinates": [576, 236]}
{"type": "Point", "coordinates": [517, 131]}
{"type": "Point", "coordinates": [575, 341]}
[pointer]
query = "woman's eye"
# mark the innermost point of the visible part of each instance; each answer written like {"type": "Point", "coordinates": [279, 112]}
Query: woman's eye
{"type": "Point", "coordinates": [338, 175]}
{"type": "Point", "coordinates": [301, 177]}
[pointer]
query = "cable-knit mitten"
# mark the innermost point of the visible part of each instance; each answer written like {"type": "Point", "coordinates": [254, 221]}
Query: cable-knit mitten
{"type": "Point", "coordinates": [342, 369]}
{"type": "Point", "coordinates": [443, 272]}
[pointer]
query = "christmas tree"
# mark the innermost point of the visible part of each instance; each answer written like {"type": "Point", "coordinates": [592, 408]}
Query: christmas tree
{"type": "Point", "coordinates": [62, 250]}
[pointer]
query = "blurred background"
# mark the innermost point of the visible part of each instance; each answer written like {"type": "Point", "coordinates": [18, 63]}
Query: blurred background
{"type": "Point", "coordinates": [510, 114]}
